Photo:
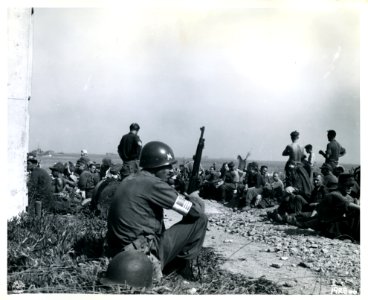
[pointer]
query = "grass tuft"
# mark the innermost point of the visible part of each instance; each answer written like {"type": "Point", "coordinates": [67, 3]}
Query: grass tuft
{"type": "Point", "coordinates": [63, 254]}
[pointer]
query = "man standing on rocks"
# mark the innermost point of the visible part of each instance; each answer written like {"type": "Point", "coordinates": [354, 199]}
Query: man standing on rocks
{"type": "Point", "coordinates": [333, 151]}
{"type": "Point", "coordinates": [129, 150]}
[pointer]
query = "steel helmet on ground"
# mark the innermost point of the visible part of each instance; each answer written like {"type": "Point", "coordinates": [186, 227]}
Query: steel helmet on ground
{"type": "Point", "coordinates": [156, 154]}
{"type": "Point", "coordinates": [129, 267]}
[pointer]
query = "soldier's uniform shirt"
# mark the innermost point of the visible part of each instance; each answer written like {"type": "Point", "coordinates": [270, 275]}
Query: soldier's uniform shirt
{"type": "Point", "coordinates": [39, 187]}
{"type": "Point", "coordinates": [103, 195]}
{"type": "Point", "coordinates": [137, 209]}
{"type": "Point", "coordinates": [318, 194]}
{"type": "Point", "coordinates": [333, 206]}
{"type": "Point", "coordinates": [254, 180]}
{"type": "Point", "coordinates": [87, 182]}
{"type": "Point", "coordinates": [330, 181]}
{"type": "Point", "coordinates": [277, 185]}
{"type": "Point", "coordinates": [130, 147]}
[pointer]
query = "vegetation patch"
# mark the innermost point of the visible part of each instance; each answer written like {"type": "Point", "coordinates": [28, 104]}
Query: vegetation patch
{"type": "Point", "coordinates": [64, 254]}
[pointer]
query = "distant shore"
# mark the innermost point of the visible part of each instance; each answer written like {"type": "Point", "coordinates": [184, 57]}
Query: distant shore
{"type": "Point", "coordinates": [49, 160]}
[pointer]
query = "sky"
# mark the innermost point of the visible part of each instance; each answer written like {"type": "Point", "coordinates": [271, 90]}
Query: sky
{"type": "Point", "coordinates": [249, 75]}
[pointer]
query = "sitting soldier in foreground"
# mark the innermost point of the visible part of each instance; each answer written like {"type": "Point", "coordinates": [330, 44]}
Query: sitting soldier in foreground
{"type": "Point", "coordinates": [136, 216]}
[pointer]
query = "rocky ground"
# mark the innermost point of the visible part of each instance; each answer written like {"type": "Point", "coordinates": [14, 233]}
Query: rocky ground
{"type": "Point", "coordinates": [300, 260]}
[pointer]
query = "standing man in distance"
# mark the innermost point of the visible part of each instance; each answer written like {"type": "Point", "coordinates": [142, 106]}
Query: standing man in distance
{"type": "Point", "coordinates": [294, 151]}
{"type": "Point", "coordinates": [296, 175]}
{"type": "Point", "coordinates": [38, 184]}
{"type": "Point", "coordinates": [129, 150]}
{"type": "Point", "coordinates": [333, 151]}
{"type": "Point", "coordinates": [84, 157]}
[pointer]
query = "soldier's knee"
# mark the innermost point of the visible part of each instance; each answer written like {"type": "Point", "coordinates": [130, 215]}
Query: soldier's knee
{"type": "Point", "coordinates": [203, 219]}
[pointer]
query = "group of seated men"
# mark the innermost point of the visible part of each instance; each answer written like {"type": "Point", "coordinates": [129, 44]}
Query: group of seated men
{"type": "Point", "coordinates": [331, 206]}
{"type": "Point", "coordinates": [242, 189]}
{"type": "Point", "coordinates": [70, 183]}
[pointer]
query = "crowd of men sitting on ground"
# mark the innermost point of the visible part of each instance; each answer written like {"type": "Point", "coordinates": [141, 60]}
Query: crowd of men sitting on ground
{"type": "Point", "coordinates": [325, 199]}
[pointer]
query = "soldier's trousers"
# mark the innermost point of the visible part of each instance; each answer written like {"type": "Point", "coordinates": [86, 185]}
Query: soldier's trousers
{"type": "Point", "coordinates": [227, 191]}
{"type": "Point", "coordinates": [182, 240]}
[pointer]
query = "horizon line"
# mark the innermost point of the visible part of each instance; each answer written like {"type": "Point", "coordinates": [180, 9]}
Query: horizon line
{"type": "Point", "coordinates": [203, 158]}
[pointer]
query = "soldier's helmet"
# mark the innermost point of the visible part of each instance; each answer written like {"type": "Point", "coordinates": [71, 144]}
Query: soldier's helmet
{"type": "Point", "coordinates": [129, 267]}
{"type": "Point", "coordinates": [156, 154]}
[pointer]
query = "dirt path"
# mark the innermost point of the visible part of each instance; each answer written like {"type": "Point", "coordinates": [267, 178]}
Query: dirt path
{"type": "Point", "coordinates": [252, 257]}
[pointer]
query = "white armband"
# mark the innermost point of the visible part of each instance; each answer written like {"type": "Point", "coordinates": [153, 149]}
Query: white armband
{"type": "Point", "coordinates": [181, 205]}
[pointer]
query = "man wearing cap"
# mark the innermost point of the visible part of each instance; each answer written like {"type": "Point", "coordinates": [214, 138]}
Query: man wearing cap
{"type": "Point", "coordinates": [129, 150]}
{"type": "Point", "coordinates": [333, 151]}
{"type": "Point", "coordinates": [38, 184]}
{"type": "Point", "coordinates": [136, 215]}
{"type": "Point", "coordinates": [329, 179]}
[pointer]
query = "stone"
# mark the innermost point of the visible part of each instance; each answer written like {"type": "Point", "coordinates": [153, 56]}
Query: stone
{"type": "Point", "coordinates": [276, 265]}
{"type": "Point", "coordinates": [304, 265]}
{"type": "Point", "coordinates": [288, 284]}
